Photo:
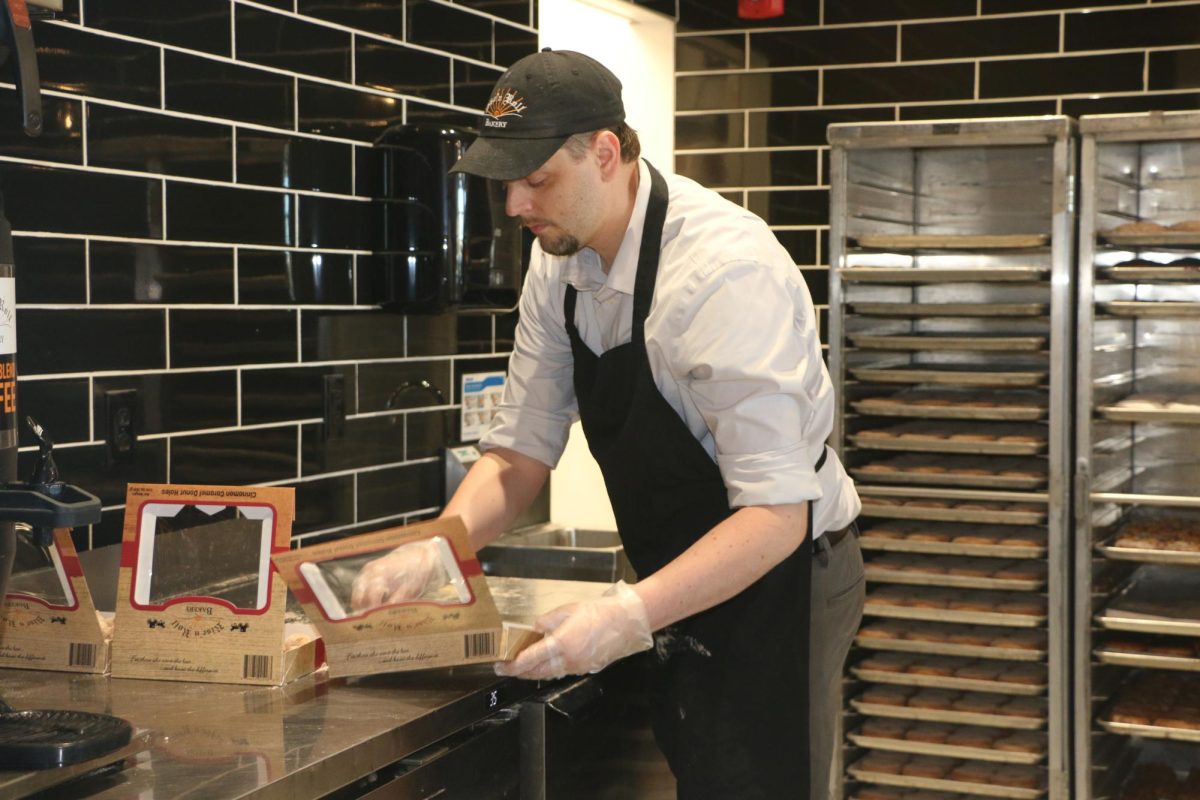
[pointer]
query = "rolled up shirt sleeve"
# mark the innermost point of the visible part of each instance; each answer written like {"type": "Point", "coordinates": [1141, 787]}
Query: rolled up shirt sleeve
{"type": "Point", "coordinates": [748, 352]}
{"type": "Point", "coordinates": [538, 404]}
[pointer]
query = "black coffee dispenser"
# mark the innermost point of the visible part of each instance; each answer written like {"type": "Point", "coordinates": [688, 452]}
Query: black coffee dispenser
{"type": "Point", "coordinates": [445, 239]}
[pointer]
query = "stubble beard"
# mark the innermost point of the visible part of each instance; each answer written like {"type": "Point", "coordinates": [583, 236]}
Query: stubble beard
{"type": "Point", "coordinates": [564, 245]}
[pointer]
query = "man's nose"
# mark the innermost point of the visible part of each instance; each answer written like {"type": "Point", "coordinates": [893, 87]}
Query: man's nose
{"type": "Point", "coordinates": [516, 201]}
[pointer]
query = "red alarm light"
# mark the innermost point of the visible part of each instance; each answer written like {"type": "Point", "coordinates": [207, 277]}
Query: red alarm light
{"type": "Point", "coordinates": [760, 9]}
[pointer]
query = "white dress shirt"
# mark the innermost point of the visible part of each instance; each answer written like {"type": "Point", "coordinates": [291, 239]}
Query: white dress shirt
{"type": "Point", "coordinates": [731, 339]}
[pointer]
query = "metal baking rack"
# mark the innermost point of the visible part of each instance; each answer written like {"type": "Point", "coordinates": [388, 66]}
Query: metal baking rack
{"type": "Point", "coordinates": [952, 615]}
{"type": "Point", "coordinates": [946, 682]}
{"type": "Point", "coordinates": [937, 784]}
{"type": "Point", "coordinates": [949, 751]}
{"type": "Point", "coordinates": [1136, 432]}
{"type": "Point", "coordinates": [947, 648]}
{"type": "Point", "coordinates": [951, 311]}
{"type": "Point", "coordinates": [949, 716]}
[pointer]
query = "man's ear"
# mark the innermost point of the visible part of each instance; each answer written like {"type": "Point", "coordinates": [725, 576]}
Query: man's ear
{"type": "Point", "coordinates": [607, 149]}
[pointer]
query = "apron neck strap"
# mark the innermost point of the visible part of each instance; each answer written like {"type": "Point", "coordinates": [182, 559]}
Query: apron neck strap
{"type": "Point", "coordinates": [647, 271]}
{"type": "Point", "coordinates": [647, 267]}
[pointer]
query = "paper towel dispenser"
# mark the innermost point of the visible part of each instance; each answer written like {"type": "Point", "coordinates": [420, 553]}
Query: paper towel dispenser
{"type": "Point", "coordinates": [445, 239]}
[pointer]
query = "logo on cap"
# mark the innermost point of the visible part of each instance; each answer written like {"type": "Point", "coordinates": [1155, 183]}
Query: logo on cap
{"type": "Point", "coordinates": [504, 103]}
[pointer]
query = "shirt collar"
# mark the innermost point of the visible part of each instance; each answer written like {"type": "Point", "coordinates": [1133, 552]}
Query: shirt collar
{"type": "Point", "coordinates": [585, 272]}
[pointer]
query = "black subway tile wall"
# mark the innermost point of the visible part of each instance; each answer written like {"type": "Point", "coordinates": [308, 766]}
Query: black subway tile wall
{"type": "Point", "coordinates": [194, 225]}
{"type": "Point", "coordinates": [754, 97]}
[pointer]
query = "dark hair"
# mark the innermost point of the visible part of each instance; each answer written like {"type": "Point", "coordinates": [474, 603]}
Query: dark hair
{"type": "Point", "coordinates": [627, 137]}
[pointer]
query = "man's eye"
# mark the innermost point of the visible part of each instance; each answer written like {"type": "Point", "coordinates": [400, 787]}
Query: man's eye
{"type": "Point", "coordinates": [533, 184]}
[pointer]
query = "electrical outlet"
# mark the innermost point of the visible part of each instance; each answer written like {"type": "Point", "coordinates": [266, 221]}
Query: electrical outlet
{"type": "Point", "coordinates": [335, 405]}
{"type": "Point", "coordinates": [121, 423]}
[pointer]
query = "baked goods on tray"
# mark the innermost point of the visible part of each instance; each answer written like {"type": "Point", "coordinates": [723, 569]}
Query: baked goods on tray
{"type": "Point", "coordinates": [956, 533]}
{"type": "Point", "coordinates": [966, 509]}
{"type": "Point", "coordinates": [1024, 571]}
{"type": "Point", "coordinates": [994, 602]}
{"type": "Point", "coordinates": [1142, 226]}
{"type": "Point", "coordinates": [1167, 646]}
{"type": "Point", "coordinates": [884, 631]}
{"type": "Point", "coordinates": [962, 433]}
{"type": "Point", "coordinates": [1161, 533]}
{"type": "Point", "coordinates": [966, 702]}
{"type": "Point", "coordinates": [933, 399]}
{"type": "Point", "coordinates": [950, 769]}
{"type": "Point", "coordinates": [974, 469]}
{"type": "Point", "coordinates": [1159, 699]}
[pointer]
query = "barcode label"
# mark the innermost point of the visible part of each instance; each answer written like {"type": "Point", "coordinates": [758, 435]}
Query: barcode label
{"type": "Point", "coordinates": [256, 666]}
{"type": "Point", "coordinates": [479, 644]}
{"type": "Point", "coordinates": [81, 655]}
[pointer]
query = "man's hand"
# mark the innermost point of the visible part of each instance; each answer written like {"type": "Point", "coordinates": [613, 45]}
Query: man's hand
{"type": "Point", "coordinates": [585, 637]}
{"type": "Point", "coordinates": [406, 573]}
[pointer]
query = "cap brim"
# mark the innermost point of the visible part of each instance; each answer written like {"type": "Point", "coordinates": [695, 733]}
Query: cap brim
{"type": "Point", "coordinates": [507, 159]}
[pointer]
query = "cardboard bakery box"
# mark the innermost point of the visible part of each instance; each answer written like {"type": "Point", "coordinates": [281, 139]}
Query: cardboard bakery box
{"type": "Point", "coordinates": [48, 618]}
{"type": "Point", "coordinates": [197, 599]}
{"type": "Point", "coordinates": [453, 620]}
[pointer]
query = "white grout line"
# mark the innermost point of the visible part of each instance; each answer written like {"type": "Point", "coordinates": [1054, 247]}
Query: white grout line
{"type": "Point", "coordinates": [319, 22]}
{"type": "Point", "coordinates": [165, 235]}
{"type": "Point", "coordinates": [162, 77]}
{"type": "Point", "coordinates": [129, 173]}
{"type": "Point", "coordinates": [285, 365]}
{"type": "Point", "coordinates": [277, 70]}
{"type": "Point", "coordinates": [1044, 55]}
{"type": "Point", "coordinates": [83, 129]}
{"type": "Point", "coordinates": [233, 153]}
{"type": "Point", "coordinates": [233, 30]}
{"type": "Point", "coordinates": [700, 151]}
{"type": "Point", "coordinates": [166, 341]}
{"type": "Point", "coordinates": [197, 117]}
{"type": "Point", "coordinates": [87, 273]}
{"type": "Point", "coordinates": [187, 243]}
{"type": "Point", "coordinates": [978, 16]}
{"type": "Point", "coordinates": [1062, 33]}
{"type": "Point", "coordinates": [384, 520]}
{"type": "Point", "coordinates": [925, 103]}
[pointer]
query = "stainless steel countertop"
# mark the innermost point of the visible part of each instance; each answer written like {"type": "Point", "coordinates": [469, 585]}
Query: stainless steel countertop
{"type": "Point", "coordinates": [302, 740]}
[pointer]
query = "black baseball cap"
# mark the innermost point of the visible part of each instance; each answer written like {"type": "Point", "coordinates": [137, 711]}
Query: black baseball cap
{"type": "Point", "coordinates": [539, 103]}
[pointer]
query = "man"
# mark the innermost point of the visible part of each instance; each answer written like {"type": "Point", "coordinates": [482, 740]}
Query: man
{"type": "Point", "coordinates": [679, 330]}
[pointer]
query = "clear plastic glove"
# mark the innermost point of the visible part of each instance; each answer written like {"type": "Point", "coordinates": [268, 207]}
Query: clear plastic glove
{"type": "Point", "coordinates": [585, 637]}
{"type": "Point", "coordinates": [406, 573]}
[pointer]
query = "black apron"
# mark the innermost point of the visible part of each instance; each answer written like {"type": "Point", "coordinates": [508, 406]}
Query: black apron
{"type": "Point", "coordinates": [730, 685]}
